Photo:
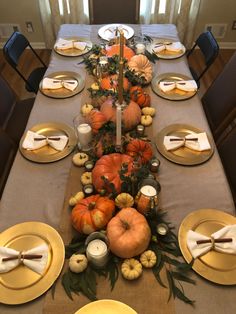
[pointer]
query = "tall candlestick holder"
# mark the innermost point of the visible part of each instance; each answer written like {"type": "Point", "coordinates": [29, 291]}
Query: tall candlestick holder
{"type": "Point", "coordinates": [119, 138]}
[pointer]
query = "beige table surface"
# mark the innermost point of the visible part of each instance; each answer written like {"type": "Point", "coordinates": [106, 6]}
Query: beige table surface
{"type": "Point", "coordinates": [36, 192]}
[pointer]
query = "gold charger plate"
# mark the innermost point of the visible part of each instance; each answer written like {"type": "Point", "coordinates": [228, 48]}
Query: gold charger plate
{"type": "Point", "coordinates": [165, 54]}
{"type": "Point", "coordinates": [74, 52]}
{"type": "Point", "coordinates": [214, 266]}
{"type": "Point", "coordinates": [21, 284]}
{"type": "Point", "coordinates": [106, 307]}
{"type": "Point", "coordinates": [175, 94]}
{"type": "Point", "coordinates": [48, 154]}
{"type": "Point", "coordinates": [182, 155]}
{"type": "Point", "coordinates": [63, 92]}
{"type": "Point", "coordinates": [107, 32]}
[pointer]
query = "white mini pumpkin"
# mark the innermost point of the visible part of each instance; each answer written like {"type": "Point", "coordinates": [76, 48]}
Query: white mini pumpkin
{"type": "Point", "coordinates": [78, 263]}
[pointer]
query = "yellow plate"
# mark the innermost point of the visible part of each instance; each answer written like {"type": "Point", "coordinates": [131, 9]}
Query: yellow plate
{"type": "Point", "coordinates": [182, 155]}
{"type": "Point", "coordinates": [214, 266]}
{"type": "Point", "coordinates": [106, 307]}
{"type": "Point", "coordinates": [74, 52]}
{"type": "Point", "coordinates": [47, 153]}
{"type": "Point", "coordinates": [107, 32]}
{"type": "Point", "coordinates": [165, 54]}
{"type": "Point", "coordinates": [21, 284]}
{"type": "Point", "coordinates": [63, 92]}
{"type": "Point", "coordinates": [175, 94]}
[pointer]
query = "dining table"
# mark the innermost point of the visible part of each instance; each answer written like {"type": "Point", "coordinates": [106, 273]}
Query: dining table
{"type": "Point", "coordinates": [40, 191]}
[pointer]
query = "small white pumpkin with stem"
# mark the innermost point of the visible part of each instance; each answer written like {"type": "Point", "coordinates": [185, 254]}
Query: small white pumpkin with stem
{"type": "Point", "coordinates": [78, 263]}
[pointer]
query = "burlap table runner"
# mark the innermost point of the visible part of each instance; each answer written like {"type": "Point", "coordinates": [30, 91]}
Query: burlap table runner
{"type": "Point", "coordinates": [144, 295]}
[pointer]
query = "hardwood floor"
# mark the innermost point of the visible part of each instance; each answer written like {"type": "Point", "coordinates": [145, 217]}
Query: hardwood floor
{"type": "Point", "coordinates": [28, 64]}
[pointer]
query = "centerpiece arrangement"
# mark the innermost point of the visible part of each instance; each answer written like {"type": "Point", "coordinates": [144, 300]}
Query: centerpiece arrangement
{"type": "Point", "coordinates": [120, 229]}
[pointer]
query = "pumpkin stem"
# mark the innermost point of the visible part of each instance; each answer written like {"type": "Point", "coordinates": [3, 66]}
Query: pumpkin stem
{"type": "Point", "coordinates": [125, 224]}
{"type": "Point", "coordinates": [91, 205]}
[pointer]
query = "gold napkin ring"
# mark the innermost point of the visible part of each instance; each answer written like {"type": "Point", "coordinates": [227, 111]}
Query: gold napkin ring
{"type": "Point", "coordinates": [20, 257]}
{"type": "Point", "coordinates": [212, 243]}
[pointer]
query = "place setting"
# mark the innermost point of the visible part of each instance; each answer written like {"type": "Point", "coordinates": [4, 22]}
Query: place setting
{"type": "Point", "coordinates": [166, 49]}
{"type": "Point", "coordinates": [48, 142]}
{"type": "Point", "coordinates": [107, 32]}
{"type": "Point", "coordinates": [184, 144]}
{"type": "Point", "coordinates": [174, 86]}
{"type": "Point", "coordinates": [63, 84]}
{"type": "Point", "coordinates": [72, 47]}
{"type": "Point", "coordinates": [31, 258]}
{"type": "Point", "coordinates": [207, 239]}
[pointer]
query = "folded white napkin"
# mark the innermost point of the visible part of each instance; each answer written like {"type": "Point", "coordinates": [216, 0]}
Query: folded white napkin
{"type": "Point", "coordinates": [50, 83]}
{"type": "Point", "coordinates": [185, 85]}
{"type": "Point", "coordinates": [173, 47]}
{"type": "Point", "coordinates": [200, 144]}
{"type": "Point", "coordinates": [224, 247]}
{"type": "Point", "coordinates": [34, 141]}
{"type": "Point", "coordinates": [64, 44]}
{"type": "Point", "coordinates": [37, 265]}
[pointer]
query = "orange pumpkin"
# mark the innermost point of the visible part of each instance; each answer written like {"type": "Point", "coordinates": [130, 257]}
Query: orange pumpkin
{"type": "Point", "coordinates": [109, 166]}
{"type": "Point", "coordinates": [96, 119]}
{"type": "Point", "coordinates": [92, 213]}
{"type": "Point", "coordinates": [115, 50]}
{"type": "Point", "coordinates": [138, 95]}
{"type": "Point", "coordinates": [129, 233]}
{"type": "Point", "coordinates": [110, 82]}
{"type": "Point", "coordinates": [131, 115]}
{"type": "Point", "coordinates": [140, 150]}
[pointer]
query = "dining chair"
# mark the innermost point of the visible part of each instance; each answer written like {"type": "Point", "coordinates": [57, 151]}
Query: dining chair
{"type": "Point", "coordinates": [14, 113]}
{"type": "Point", "coordinates": [121, 11]}
{"type": "Point", "coordinates": [13, 49]}
{"type": "Point", "coordinates": [8, 151]}
{"type": "Point", "coordinates": [219, 101]}
{"type": "Point", "coordinates": [209, 50]}
{"type": "Point", "coordinates": [227, 152]}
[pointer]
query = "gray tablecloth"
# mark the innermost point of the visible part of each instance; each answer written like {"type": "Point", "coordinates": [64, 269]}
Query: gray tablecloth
{"type": "Point", "coordinates": [35, 192]}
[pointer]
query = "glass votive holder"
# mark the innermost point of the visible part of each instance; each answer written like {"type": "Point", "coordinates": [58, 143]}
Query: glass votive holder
{"type": "Point", "coordinates": [89, 164]}
{"type": "Point", "coordinates": [88, 189]}
{"type": "Point", "coordinates": [140, 130]}
{"type": "Point", "coordinates": [147, 196]}
{"type": "Point", "coordinates": [97, 249]}
{"type": "Point", "coordinates": [140, 45]}
{"type": "Point", "coordinates": [83, 132]}
{"type": "Point", "coordinates": [154, 164]}
{"type": "Point", "coordinates": [162, 229]}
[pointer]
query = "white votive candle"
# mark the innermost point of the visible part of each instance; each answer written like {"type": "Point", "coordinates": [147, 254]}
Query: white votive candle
{"type": "Point", "coordinates": [140, 48]}
{"type": "Point", "coordinates": [148, 190]}
{"type": "Point", "coordinates": [84, 135]}
{"type": "Point", "coordinates": [97, 253]}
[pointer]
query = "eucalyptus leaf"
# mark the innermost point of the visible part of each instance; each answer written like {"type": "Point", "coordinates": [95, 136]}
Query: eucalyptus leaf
{"type": "Point", "coordinates": [182, 277]}
{"type": "Point", "coordinates": [66, 284]}
{"type": "Point", "coordinates": [179, 294]}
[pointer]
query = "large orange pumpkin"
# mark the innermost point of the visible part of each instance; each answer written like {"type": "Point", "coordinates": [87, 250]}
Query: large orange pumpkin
{"type": "Point", "coordinates": [110, 82]}
{"type": "Point", "coordinates": [115, 50]}
{"type": "Point", "coordinates": [109, 166]}
{"type": "Point", "coordinates": [138, 95]}
{"type": "Point", "coordinates": [96, 119]}
{"type": "Point", "coordinates": [131, 114]}
{"type": "Point", "coordinates": [128, 233]}
{"type": "Point", "coordinates": [140, 150]}
{"type": "Point", "coordinates": [92, 213]}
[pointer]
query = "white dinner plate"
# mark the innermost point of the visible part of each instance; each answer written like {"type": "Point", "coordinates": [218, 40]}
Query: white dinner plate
{"type": "Point", "coordinates": [107, 32]}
